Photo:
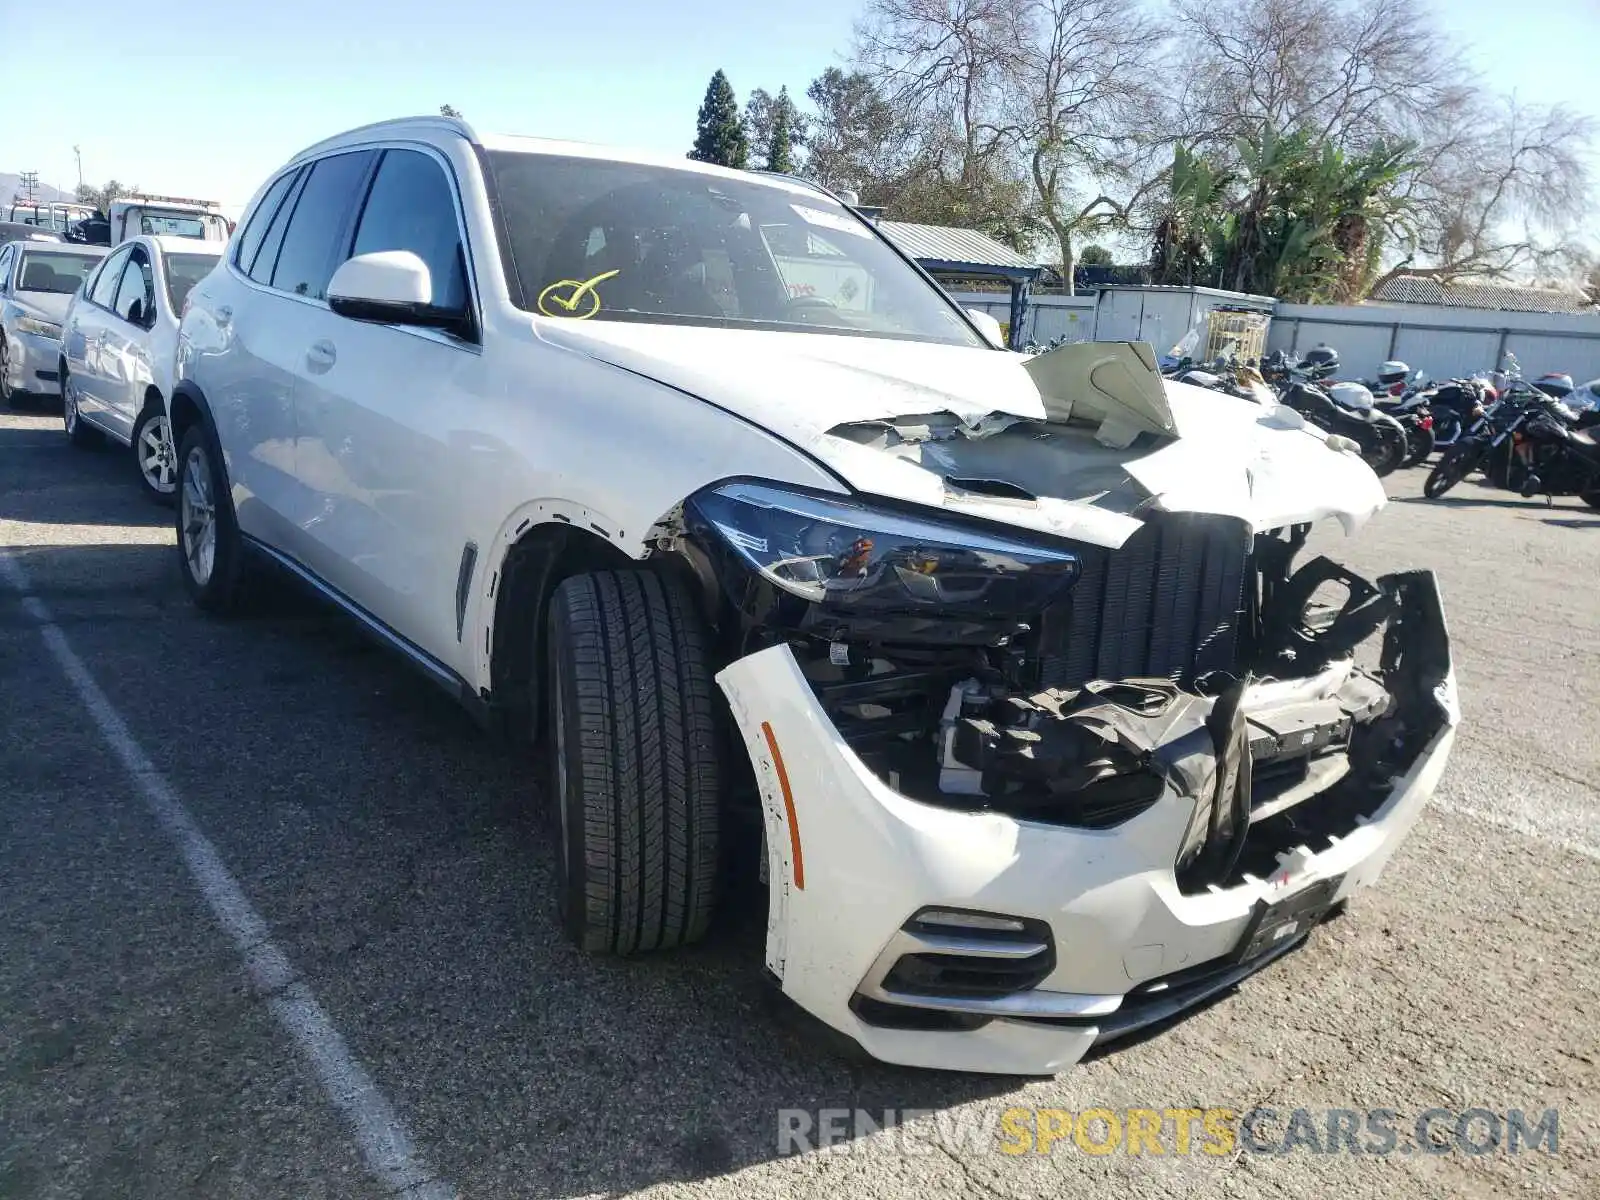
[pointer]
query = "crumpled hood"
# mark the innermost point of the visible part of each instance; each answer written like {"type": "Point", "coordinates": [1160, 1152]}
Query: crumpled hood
{"type": "Point", "coordinates": [52, 306]}
{"type": "Point", "coordinates": [1231, 457]}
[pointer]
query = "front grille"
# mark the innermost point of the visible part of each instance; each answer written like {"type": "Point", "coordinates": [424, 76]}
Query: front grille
{"type": "Point", "coordinates": [1167, 604]}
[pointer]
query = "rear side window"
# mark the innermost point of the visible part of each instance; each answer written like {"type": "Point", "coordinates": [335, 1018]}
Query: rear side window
{"type": "Point", "coordinates": [137, 292]}
{"type": "Point", "coordinates": [105, 284]}
{"type": "Point", "coordinates": [250, 238]}
{"type": "Point", "coordinates": [412, 207]}
{"type": "Point", "coordinates": [266, 258]}
{"type": "Point", "coordinates": [183, 272]}
{"type": "Point", "coordinates": [319, 221]}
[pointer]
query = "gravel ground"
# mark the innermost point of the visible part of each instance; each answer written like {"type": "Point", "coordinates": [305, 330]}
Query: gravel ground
{"type": "Point", "coordinates": [394, 853]}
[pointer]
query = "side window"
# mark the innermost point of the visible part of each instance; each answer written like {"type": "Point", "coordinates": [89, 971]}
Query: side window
{"type": "Point", "coordinates": [105, 284]}
{"type": "Point", "coordinates": [7, 256]}
{"type": "Point", "coordinates": [319, 221]}
{"type": "Point", "coordinates": [250, 238]}
{"type": "Point", "coordinates": [137, 293]}
{"type": "Point", "coordinates": [260, 268]}
{"type": "Point", "coordinates": [412, 207]}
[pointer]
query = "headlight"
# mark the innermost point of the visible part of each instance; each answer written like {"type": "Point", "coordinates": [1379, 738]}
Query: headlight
{"type": "Point", "coordinates": [42, 328]}
{"type": "Point", "coordinates": [851, 558]}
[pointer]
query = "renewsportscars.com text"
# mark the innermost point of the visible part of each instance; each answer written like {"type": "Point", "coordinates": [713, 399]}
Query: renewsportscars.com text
{"type": "Point", "coordinates": [1211, 1132]}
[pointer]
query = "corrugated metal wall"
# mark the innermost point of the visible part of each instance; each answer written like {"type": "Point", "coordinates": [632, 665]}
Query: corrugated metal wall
{"type": "Point", "coordinates": [1444, 342]}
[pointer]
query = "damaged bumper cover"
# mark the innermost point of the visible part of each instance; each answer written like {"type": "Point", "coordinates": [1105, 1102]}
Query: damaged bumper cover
{"type": "Point", "coordinates": [976, 939]}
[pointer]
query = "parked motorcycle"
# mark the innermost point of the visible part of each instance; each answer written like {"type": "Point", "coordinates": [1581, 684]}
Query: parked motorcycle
{"type": "Point", "coordinates": [1347, 409]}
{"type": "Point", "coordinates": [1403, 396]}
{"type": "Point", "coordinates": [1529, 444]}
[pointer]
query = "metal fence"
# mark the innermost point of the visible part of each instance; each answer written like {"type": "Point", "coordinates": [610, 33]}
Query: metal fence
{"type": "Point", "coordinates": [1444, 342]}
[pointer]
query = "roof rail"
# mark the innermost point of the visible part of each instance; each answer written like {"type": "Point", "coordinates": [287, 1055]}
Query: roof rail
{"type": "Point", "coordinates": [453, 124]}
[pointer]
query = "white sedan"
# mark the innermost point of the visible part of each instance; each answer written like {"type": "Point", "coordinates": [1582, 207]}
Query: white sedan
{"type": "Point", "coordinates": [120, 338]}
{"type": "Point", "coordinates": [37, 279]}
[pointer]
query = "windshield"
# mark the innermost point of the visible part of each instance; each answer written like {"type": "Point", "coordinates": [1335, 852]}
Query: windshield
{"type": "Point", "coordinates": [56, 273]}
{"type": "Point", "coordinates": [183, 272]}
{"type": "Point", "coordinates": [611, 241]}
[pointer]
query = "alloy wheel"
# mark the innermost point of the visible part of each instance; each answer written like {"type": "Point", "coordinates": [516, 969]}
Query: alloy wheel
{"type": "Point", "coordinates": [158, 459]}
{"type": "Point", "coordinates": [198, 517]}
{"type": "Point", "coordinates": [6, 395]}
{"type": "Point", "coordinates": [69, 407]}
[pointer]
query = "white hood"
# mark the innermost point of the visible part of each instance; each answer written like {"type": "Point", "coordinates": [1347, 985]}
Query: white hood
{"type": "Point", "coordinates": [1231, 457]}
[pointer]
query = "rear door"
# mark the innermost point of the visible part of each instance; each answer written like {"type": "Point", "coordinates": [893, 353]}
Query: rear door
{"type": "Point", "coordinates": [276, 311]}
{"type": "Point", "coordinates": [125, 345]}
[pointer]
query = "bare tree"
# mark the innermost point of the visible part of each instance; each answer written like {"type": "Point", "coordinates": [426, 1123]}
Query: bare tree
{"type": "Point", "coordinates": [1498, 195]}
{"type": "Point", "coordinates": [1088, 115]}
{"type": "Point", "coordinates": [1346, 71]}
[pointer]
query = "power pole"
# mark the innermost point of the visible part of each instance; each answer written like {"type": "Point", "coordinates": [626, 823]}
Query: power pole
{"type": "Point", "coordinates": [77, 153]}
{"type": "Point", "coordinates": [28, 182]}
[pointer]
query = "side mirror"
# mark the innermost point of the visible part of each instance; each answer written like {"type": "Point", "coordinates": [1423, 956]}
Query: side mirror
{"type": "Point", "coordinates": [135, 312]}
{"type": "Point", "coordinates": [988, 326]}
{"type": "Point", "coordinates": [391, 287]}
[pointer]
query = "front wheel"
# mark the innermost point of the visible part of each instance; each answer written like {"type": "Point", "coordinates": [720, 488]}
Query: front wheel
{"type": "Point", "coordinates": [1456, 465]}
{"type": "Point", "coordinates": [210, 550]}
{"type": "Point", "coordinates": [78, 431]}
{"type": "Point", "coordinates": [636, 770]}
{"type": "Point", "coordinates": [1385, 451]}
{"type": "Point", "coordinates": [10, 396]}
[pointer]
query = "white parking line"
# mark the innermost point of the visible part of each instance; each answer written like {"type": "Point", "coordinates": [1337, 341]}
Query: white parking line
{"type": "Point", "coordinates": [383, 1140]}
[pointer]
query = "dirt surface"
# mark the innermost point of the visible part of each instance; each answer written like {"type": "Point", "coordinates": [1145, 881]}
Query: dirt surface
{"type": "Point", "coordinates": [396, 856]}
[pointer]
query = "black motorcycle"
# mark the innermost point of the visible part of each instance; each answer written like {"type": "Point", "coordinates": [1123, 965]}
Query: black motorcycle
{"type": "Point", "coordinates": [1380, 438]}
{"type": "Point", "coordinates": [1526, 444]}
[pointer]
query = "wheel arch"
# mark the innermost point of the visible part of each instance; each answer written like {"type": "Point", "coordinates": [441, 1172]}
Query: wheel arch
{"type": "Point", "coordinates": [187, 408]}
{"type": "Point", "coordinates": [518, 591]}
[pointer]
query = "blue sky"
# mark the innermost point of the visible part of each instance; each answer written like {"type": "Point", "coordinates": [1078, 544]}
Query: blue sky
{"type": "Point", "coordinates": [205, 99]}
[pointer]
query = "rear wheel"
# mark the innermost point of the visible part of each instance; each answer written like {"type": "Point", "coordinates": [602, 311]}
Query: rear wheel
{"type": "Point", "coordinates": [210, 550]}
{"type": "Point", "coordinates": [635, 775]}
{"type": "Point", "coordinates": [1457, 463]}
{"type": "Point", "coordinates": [1420, 444]}
{"type": "Point", "coordinates": [154, 455]}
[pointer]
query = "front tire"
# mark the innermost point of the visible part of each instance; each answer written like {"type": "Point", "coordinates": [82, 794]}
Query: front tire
{"type": "Point", "coordinates": [1452, 468]}
{"type": "Point", "coordinates": [210, 549]}
{"type": "Point", "coordinates": [77, 429]}
{"type": "Point", "coordinates": [154, 456]}
{"type": "Point", "coordinates": [1385, 451]}
{"type": "Point", "coordinates": [10, 396]}
{"type": "Point", "coordinates": [635, 775]}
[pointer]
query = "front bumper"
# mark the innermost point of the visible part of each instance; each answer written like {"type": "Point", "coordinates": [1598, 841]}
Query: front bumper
{"type": "Point", "coordinates": [851, 862]}
{"type": "Point", "coordinates": [35, 361]}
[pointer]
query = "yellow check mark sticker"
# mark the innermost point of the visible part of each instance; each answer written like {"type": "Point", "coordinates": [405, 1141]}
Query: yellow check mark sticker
{"type": "Point", "coordinates": [574, 299]}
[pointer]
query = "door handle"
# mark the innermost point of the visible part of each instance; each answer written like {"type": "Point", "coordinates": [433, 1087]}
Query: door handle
{"type": "Point", "coordinates": [321, 357]}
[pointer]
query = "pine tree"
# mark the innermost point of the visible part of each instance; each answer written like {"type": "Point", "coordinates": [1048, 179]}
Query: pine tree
{"type": "Point", "coordinates": [720, 138]}
{"type": "Point", "coordinates": [780, 149]}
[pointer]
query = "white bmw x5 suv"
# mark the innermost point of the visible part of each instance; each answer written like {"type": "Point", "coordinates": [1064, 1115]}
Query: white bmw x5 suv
{"type": "Point", "coordinates": [1046, 736]}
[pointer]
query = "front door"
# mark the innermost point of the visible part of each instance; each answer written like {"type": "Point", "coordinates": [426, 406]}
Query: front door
{"type": "Point", "coordinates": [385, 414]}
{"type": "Point", "coordinates": [83, 341]}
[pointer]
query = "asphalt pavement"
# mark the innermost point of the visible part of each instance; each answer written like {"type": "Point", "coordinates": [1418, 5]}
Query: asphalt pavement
{"type": "Point", "coordinates": [395, 859]}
